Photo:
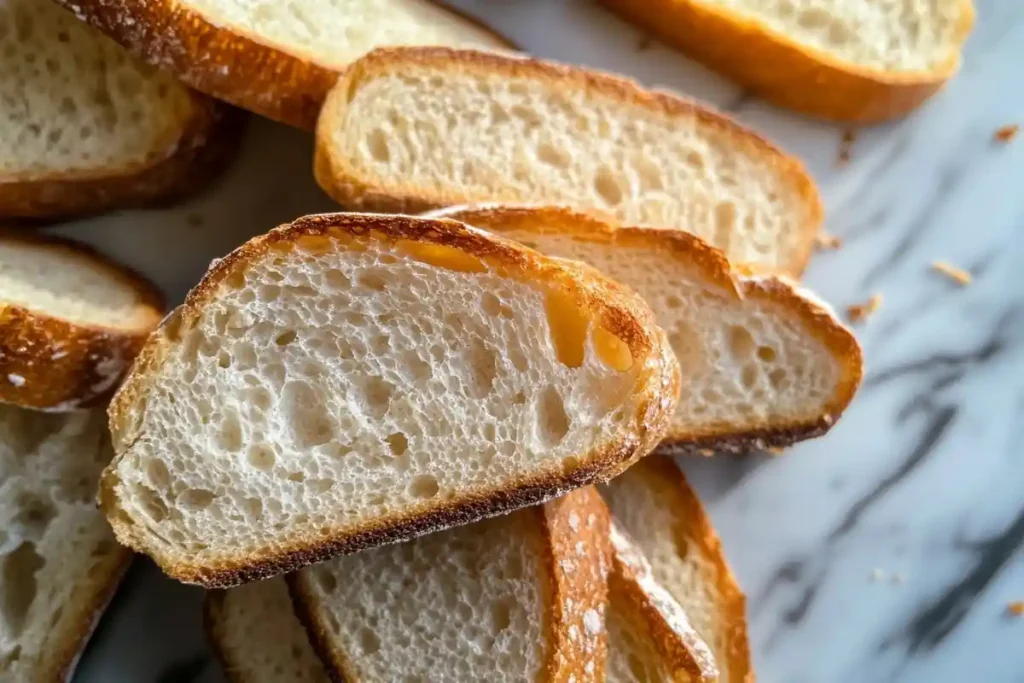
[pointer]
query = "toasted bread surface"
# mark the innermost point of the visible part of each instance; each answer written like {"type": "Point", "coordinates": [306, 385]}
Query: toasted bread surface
{"type": "Point", "coordinates": [743, 45]}
{"type": "Point", "coordinates": [517, 130]}
{"type": "Point", "coordinates": [71, 322]}
{"type": "Point", "coordinates": [655, 505]}
{"type": "Point", "coordinates": [215, 46]}
{"type": "Point", "coordinates": [627, 366]}
{"type": "Point", "coordinates": [764, 364]}
{"type": "Point", "coordinates": [514, 598]}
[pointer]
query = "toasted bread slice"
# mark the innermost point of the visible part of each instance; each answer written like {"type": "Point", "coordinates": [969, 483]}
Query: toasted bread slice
{"type": "Point", "coordinates": [277, 59]}
{"type": "Point", "coordinates": [258, 638]}
{"type": "Point", "coordinates": [515, 598]}
{"type": "Point", "coordinates": [411, 129]}
{"type": "Point", "coordinates": [59, 563]}
{"type": "Point", "coordinates": [87, 128]}
{"type": "Point", "coordinates": [350, 380]}
{"type": "Point", "coordinates": [863, 61]}
{"type": "Point", "coordinates": [71, 322]}
{"type": "Point", "coordinates": [655, 505]}
{"type": "Point", "coordinates": [649, 635]}
{"type": "Point", "coordinates": [764, 364]}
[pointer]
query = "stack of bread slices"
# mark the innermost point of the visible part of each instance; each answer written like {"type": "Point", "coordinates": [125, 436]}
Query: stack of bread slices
{"type": "Point", "coordinates": [436, 437]}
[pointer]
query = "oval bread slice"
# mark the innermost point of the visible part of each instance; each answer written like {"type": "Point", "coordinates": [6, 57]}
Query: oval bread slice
{"type": "Point", "coordinates": [350, 380]}
{"type": "Point", "coordinates": [764, 363]}
{"type": "Point", "coordinates": [412, 129]}
{"type": "Point", "coordinates": [71, 322]}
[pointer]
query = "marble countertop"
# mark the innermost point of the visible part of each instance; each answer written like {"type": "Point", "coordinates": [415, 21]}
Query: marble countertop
{"type": "Point", "coordinates": [885, 551]}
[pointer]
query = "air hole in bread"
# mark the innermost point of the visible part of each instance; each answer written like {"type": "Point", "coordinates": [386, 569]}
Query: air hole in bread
{"type": "Point", "coordinates": [568, 322]}
{"type": "Point", "coordinates": [553, 156]}
{"type": "Point", "coordinates": [261, 457]}
{"type": "Point", "coordinates": [286, 338]}
{"type": "Point", "coordinates": [607, 187]}
{"type": "Point", "coordinates": [424, 486]}
{"type": "Point", "coordinates": [766, 354]}
{"type": "Point", "coordinates": [306, 416]}
{"type": "Point", "coordinates": [612, 351]}
{"type": "Point", "coordinates": [325, 578]}
{"type": "Point", "coordinates": [35, 514]}
{"type": "Point", "coordinates": [501, 614]}
{"type": "Point", "coordinates": [373, 279]}
{"type": "Point", "coordinates": [398, 443]}
{"type": "Point", "coordinates": [377, 145]}
{"type": "Point", "coordinates": [368, 641]}
{"type": "Point", "coordinates": [748, 376]}
{"type": "Point", "coordinates": [152, 503]}
{"type": "Point", "coordinates": [741, 342]}
{"type": "Point", "coordinates": [552, 420]}
{"type": "Point", "coordinates": [778, 379]}
{"type": "Point", "coordinates": [254, 508]}
{"type": "Point", "coordinates": [18, 587]}
{"type": "Point", "coordinates": [196, 499]}
{"type": "Point", "coordinates": [482, 362]}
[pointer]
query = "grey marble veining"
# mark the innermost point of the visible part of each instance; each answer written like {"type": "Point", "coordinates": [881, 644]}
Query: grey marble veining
{"type": "Point", "coordinates": [886, 551]}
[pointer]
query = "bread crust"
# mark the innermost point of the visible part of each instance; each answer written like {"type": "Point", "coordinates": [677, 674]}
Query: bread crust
{"type": "Point", "coordinates": [784, 71]}
{"type": "Point", "coordinates": [575, 592]}
{"type": "Point", "coordinates": [736, 283]}
{"type": "Point", "coordinates": [49, 363]}
{"type": "Point", "coordinates": [345, 185]}
{"type": "Point", "coordinates": [284, 85]}
{"type": "Point", "coordinates": [617, 309]}
{"type": "Point", "coordinates": [205, 144]}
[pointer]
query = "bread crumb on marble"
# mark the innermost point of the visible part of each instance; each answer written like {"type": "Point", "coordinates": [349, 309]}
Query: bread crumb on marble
{"type": "Point", "coordinates": [860, 312]}
{"type": "Point", "coordinates": [1007, 133]}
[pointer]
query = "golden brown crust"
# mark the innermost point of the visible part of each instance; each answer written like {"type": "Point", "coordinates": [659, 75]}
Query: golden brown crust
{"type": "Point", "coordinates": [48, 363]}
{"type": "Point", "coordinates": [635, 595]}
{"type": "Point", "coordinates": [784, 71]}
{"type": "Point", "coordinates": [739, 284]}
{"type": "Point", "coordinates": [616, 309]}
{"type": "Point", "coordinates": [205, 145]}
{"type": "Point", "coordinates": [694, 530]}
{"type": "Point", "coordinates": [234, 67]}
{"type": "Point", "coordinates": [345, 185]}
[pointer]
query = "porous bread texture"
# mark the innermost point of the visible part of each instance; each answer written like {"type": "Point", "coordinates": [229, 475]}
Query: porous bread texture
{"type": "Point", "coordinates": [59, 562]}
{"type": "Point", "coordinates": [413, 129]}
{"type": "Point", "coordinates": [885, 35]}
{"type": "Point", "coordinates": [54, 279]}
{"type": "Point", "coordinates": [632, 655]}
{"type": "Point", "coordinates": [654, 504]}
{"type": "Point", "coordinates": [333, 33]}
{"type": "Point", "coordinates": [759, 359]}
{"type": "Point", "coordinates": [357, 374]}
{"type": "Point", "coordinates": [257, 636]}
{"type": "Point", "coordinates": [73, 104]}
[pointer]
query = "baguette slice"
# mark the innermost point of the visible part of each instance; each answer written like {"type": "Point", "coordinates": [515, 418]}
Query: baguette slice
{"type": "Point", "coordinates": [412, 129]}
{"type": "Point", "coordinates": [59, 563]}
{"type": "Point", "coordinates": [515, 598]}
{"type": "Point", "coordinates": [257, 637]}
{"type": "Point", "coordinates": [86, 128]}
{"type": "Point", "coordinates": [350, 380]}
{"type": "Point", "coordinates": [655, 505]}
{"type": "Point", "coordinates": [71, 322]}
{"type": "Point", "coordinates": [865, 61]}
{"type": "Point", "coordinates": [649, 635]}
{"type": "Point", "coordinates": [277, 59]}
{"type": "Point", "coordinates": [764, 363]}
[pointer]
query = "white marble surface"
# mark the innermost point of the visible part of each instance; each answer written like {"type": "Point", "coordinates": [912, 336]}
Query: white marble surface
{"type": "Point", "coordinates": [924, 476]}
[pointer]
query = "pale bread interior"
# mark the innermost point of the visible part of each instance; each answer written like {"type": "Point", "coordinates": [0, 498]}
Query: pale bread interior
{"type": "Point", "coordinates": [476, 134]}
{"type": "Point", "coordinates": [54, 280]}
{"type": "Point", "coordinates": [73, 103]}
{"type": "Point", "coordinates": [335, 32]}
{"type": "Point", "coordinates": [467, 604]}
{"type": "Point", "coordinates": [56, 549]}
{"type": "Point", "coordinates": [331, 388]}
{"type": "Point", "coordinates": [632, 655]}
{"type": "Point", "coordinates": [889, 35]}
{"type": "Point", "coordinates": [260, 636]}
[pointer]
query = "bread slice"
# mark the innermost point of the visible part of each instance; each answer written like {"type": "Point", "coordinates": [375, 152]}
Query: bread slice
{"type": "Point", "coordinates": [71, 322]}
{"type": "Point", "coordinates": [863, 61]}
{"type": "Point", "coordinates": [59, 563]}
{"type": "Point", "coordinates": [649, 635]}
{"type": "Point", "coordinates": [258, 638]}
{"type": "Point", "coordinates": [655, 505]}
{"type": "Point", "coordinates": [412, 129]}
{"type": "Point", "coordinates": [350, 380]}
{"type": "Point", "coordinates": [275, 58]}
{"type": "Point", "coordinates": [87, 128]}
{"type": "Point", "coordinates": [764, 363]}
{"type": "Point", "coordinates": [515, 598]}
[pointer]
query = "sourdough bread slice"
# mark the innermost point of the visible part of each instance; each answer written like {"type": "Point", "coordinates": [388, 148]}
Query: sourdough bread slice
{"type": "Point", "coordinates": [258, 638]}
{"type": "Point", "coordinates": [764, 363]}
{"type": "Point", "coordinates": [59, 562]}
{"type": "Point", "coordinates": [412, 129]}
{"type": "Point", "coordinates": [514, 598]}
{"type": "Point", "coordinates": [87, 128]}
{"type": "Point", "coordinates": [655, 505]}
{"type": "Point", "coordinates": [853, 60]}
{"type": "Point", "coordinates": [650, 638]}
{"type": "Point", "coordinates": [350, 380]}
{"type": "Point", "coordinates": [275, 58]}
{"type": "Point", "coordinates": [71, 322]}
